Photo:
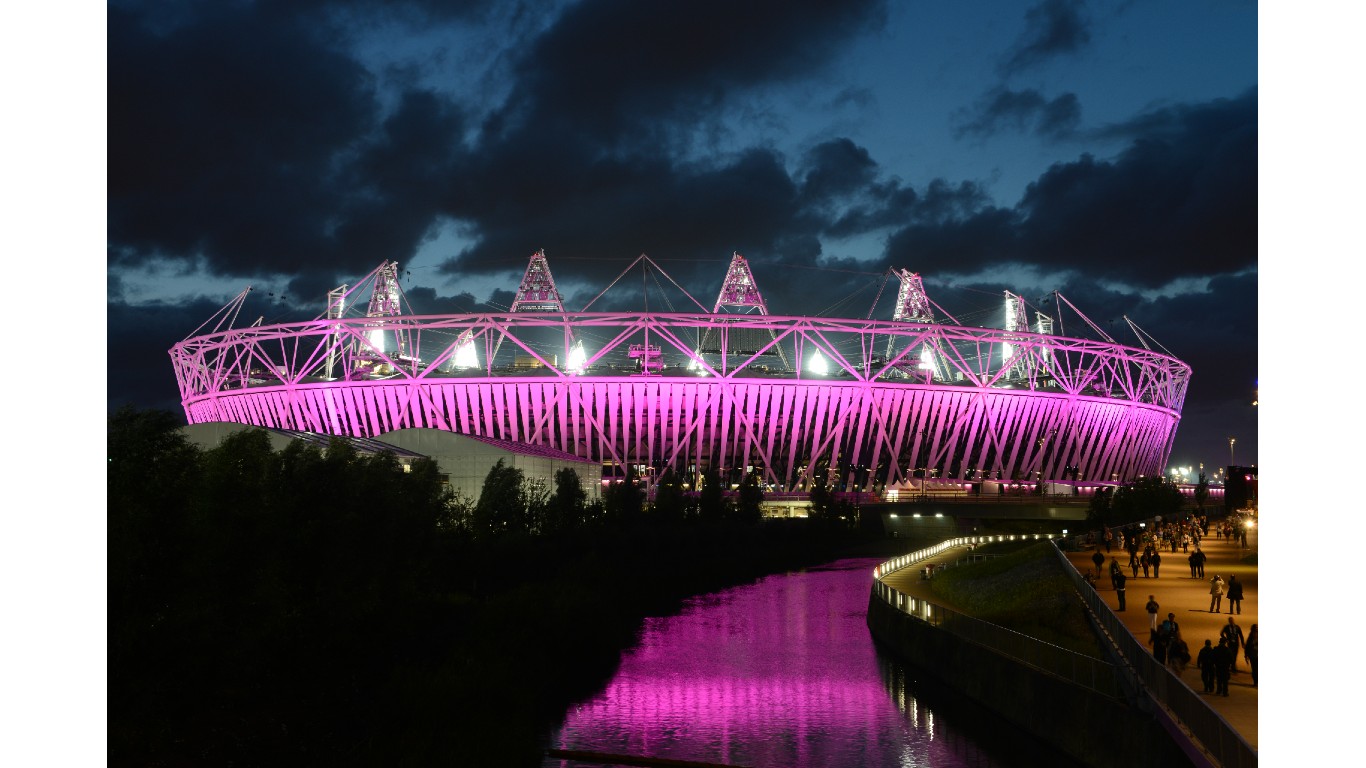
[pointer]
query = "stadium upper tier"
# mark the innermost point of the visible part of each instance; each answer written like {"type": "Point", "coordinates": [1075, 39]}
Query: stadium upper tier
{"type": "Point", "coordinates": [863, 402]}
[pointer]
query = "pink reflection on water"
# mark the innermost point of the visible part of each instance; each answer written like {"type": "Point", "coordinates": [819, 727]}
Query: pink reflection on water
{"type": "Point", "coordinates": [779, 673]}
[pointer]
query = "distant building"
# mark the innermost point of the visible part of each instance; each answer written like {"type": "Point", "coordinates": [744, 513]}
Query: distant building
{"type": "Point", "coordinates": [467, 459]}
{"type": "Point", "coordinates": [464, 461]}
{"type": "Point", "coordinates": [1240, 488]}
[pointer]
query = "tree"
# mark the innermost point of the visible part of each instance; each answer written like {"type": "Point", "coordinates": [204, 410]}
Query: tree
{"type": "Point", "coordinates": [1202, 493]}
{"type": "Point", "coordinates": [1145, 497]}
{"type": "Point", "coordinates": [670, 505]}
{"type": "Point", "coordinates": [748, 509]}
{"type": "Point", "coordinates": [565, 508]}
{"type": "Point", "coordinates": [711, 501]}
{"type": "Point", "coordinates": [1098, 511]}
{"type": "Point", "coordinates": [821, 498]}
{"type": "Point", "coordinates": [624, 501]}
{"type": "Point", "coordinates": [502, 505]}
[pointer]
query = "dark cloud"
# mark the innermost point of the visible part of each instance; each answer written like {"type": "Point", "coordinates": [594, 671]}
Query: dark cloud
{"type": "Point", "coordinates": [1180, 201]}
{"type": "Point", "coordinates": [1021, 111]}
{"type": "Point", "coordinates": [1052, 27]}
{"type": "Point", "coordinates": [627, 73]}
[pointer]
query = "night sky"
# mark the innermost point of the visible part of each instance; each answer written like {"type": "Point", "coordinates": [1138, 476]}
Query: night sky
{"type": "Point", "coordinates": [1106, 150]}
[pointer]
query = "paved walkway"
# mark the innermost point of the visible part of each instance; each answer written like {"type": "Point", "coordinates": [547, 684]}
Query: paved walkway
{"type": "Point", "coordinates": [1176, 592]}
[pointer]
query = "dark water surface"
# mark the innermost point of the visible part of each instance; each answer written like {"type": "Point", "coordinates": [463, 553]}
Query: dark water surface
{"type": "Point", "coordinates": [784, 674]}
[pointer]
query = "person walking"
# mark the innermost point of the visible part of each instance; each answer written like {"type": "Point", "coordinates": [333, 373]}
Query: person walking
{"type": "Point", "coordinates": [1145, 561]}
{"type": "Point", "coordinates": [1223, 662]}
{"type": "Point", "coordinates": [1119, 587]}
{"type": "Point", "coordinates": [1233, 635]}
{"type": "Point", "coordinates": [1109, 537]}
{"type": "Point", "coordinates": [1216, 593]}
{"type": "Point", "coordinates": [1133, 562]}
{"type": "Point", "coordinates": [1178, 654]}
{"type": "Point", "coordinates": [1098, 559]}
{"type": "Point", "coordinates": [1250, 653]}
{"type": "Point", "coordinates": [1115, 573]}
{"type": "Point", "coordinates": [1199, 562]}
{"type": "Point", "coordinates": [1152, 607]}
{"type": "Point", "coordinates": [1205, 661]}
{"type": "Point", "coordinates": [1235, 595]}
{"type": "Point", "coordinates": [1191, 560]}
{"type": "Point", "coordinates": [1157, 562]}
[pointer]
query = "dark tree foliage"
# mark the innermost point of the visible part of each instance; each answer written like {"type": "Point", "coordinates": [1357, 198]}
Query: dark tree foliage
{"type": "Point", "coordinates": [565, 509]}
{"type": "Point", "coordinates": [711, 501]}
{"type": "Point", "coordinates": [1098, 511]}
{"type": "Point", "coordinates": [1143, 498]}
{"type": "Point", "coordinates": [747, 508]}
{"type": "Point", "coordinates": [1146, 497]}
{"type": "Point", "coordinates": [822, 498]}
{"type": "Point", "coordinates": [502, 507]}
{"type": "Point", "coordinates": [670, 504]}
{"type": "Point", "coordinates": [1201, 493]}
{"type": "Point", "coordinates": [624, 501]}
{"type": "Point", "coordinates": [253, 593]}
{"type": "Point", "coordinates": [315, 606]}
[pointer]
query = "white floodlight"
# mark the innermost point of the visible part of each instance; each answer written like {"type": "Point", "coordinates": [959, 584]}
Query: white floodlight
{"type": "Point", "coordinates": [817, 364]}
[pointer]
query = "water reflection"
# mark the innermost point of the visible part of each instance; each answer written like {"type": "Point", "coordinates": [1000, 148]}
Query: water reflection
{"type": "Point", "coordinates": [783, 673]}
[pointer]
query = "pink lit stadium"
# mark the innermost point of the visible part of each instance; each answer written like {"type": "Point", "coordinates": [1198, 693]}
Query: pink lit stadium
{"type": "Point", "coordinates": [865, 403]}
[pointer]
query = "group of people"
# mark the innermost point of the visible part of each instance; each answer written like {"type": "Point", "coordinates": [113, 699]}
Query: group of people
{"type": "Point", "coordinates": [1218, 659]}
{"type": "Point", "coordinates": [1234, 590]}
{"type": "Point", "coordinates": [1216, 663]}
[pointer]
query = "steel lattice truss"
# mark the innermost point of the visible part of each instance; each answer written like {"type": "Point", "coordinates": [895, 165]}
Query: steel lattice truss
{"type": "Point", "coordinates": [1108, 410]}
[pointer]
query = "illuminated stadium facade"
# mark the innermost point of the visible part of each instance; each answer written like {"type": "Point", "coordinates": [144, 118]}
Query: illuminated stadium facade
{"type": "Point", "coordinates": [866, 403]}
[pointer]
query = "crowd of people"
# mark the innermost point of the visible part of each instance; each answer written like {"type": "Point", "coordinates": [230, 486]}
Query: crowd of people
{"type": "Point", "coordinates": [1217, 660]}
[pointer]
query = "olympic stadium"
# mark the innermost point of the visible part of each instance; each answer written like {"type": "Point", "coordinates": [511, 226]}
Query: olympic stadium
{"type": "Point", "coordinates": [917, 399]}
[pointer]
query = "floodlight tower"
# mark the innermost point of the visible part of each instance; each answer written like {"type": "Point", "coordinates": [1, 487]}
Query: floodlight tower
{"type": "Point", "coordinates": [913, 306]}
{"type": "Point", "coordinates": [1016, 320]}
{"type": "Point", "coordinates": [336, 310]}
{"type": "Point", "coordinates": [384, 302]}
{"type": "Point", "coordinates": [738, 290]}
{"type": "Point", "coordinates": [740, 295]}
{"type": "Point", "coordinates": [536, 293]}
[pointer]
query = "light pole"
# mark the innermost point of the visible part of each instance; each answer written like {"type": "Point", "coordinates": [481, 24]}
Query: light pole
{"type": "Point", "coordinates": [1231, 441]}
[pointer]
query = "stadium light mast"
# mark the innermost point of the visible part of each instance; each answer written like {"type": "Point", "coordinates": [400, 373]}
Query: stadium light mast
{"type": "Point", "coordinates": [336, 310]}
{"type": "Point", "coordinates": [537, 293]}
{"type": "Point", "coordinates": [385, 302]}
{"type": "Point", "coordinates": [738, 290]}
{"type": "Point", "coordinates": [1016, 321]}
{"type": "Point", "coordinates": [913, 306]}
{"type": "Point", "coordinates": [740, 295]}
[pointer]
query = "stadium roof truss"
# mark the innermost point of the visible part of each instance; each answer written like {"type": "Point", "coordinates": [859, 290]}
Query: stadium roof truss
{"type": "Point", "coordinates": [1005, 404]}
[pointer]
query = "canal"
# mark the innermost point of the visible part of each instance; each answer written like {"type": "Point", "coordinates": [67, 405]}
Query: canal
{"type": "Point", "coordinates": [783, 673]}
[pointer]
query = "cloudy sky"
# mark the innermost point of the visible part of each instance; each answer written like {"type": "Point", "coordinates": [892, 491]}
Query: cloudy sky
{"type": "Point", "coordinates": [1106, 149]}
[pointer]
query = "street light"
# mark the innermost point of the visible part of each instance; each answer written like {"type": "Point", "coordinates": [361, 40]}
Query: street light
{"type": "Point", "coordinates": [1231, 441]}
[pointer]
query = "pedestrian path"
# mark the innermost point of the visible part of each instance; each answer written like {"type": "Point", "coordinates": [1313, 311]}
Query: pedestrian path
{"type": "Point", "coordinates": [1176, 591]}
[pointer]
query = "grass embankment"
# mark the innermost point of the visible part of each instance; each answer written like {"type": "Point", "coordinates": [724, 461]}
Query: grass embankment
{"type": "Point", "coordinates": [1025, 590]}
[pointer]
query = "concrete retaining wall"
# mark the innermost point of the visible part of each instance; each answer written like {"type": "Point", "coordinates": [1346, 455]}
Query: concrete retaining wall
{"type": "Point", "coordinates": [1093, 728]}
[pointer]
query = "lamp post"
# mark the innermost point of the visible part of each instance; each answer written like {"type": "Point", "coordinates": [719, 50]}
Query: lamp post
{"type": "Point", "coordinates": [1231, 441]}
